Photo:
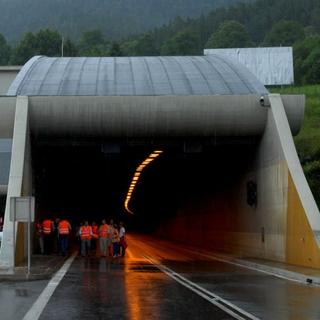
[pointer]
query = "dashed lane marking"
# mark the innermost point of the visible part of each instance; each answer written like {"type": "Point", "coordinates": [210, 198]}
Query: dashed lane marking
{"type": "Point", "coordinates": [39, 305]}
{"type": "Point", "coordinates": [213, 298]}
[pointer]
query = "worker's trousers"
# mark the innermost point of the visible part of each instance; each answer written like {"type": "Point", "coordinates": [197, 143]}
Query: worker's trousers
{"type": "Point", "coordinates": [85, 247]}
{"type": "Point", "coordinates": [64, 243]}
{"type": "Point", "coordinates": [103, 246]}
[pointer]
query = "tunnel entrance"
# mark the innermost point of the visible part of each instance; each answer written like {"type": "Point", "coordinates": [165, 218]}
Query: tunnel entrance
{"type": "Point", "coordinates": [89, 180]}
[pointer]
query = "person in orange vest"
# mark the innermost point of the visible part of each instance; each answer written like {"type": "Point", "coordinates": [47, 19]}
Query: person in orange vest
{"type": "Point", "coordinates": [47, 230]}
{"type": "Point", "coordinates": [86, 235]}
{"type": "Point", "coordinates": [110, 235]}
{"type": "Point", "coordinates": [64, 229]}
{"type": "Point", "coordinates": [103, 238]}
{"type": "Point", "coordinates": [95, 236]}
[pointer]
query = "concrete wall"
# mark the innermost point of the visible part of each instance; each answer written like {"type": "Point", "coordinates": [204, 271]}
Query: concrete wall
{"type": "Point", "coordinates": [20, 184]}
{"type": "Point", "coordinates": [7, 75]}
{"type": "Point", "coordinates": [7, 113]}
{"type": "Point", "coordinates": [285, 224]}
{"type": "Point", "coordinates": [162, 116]}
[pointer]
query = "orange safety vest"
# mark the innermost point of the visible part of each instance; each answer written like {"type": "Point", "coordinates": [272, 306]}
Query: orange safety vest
{"type": "Point", "coordinates": [47, 226]}
{"type": "Point", "coordinates": [86, 232]}
{"type": "Point", "coordinates": [103, 231]}
{"type": "Point", "coordinates": [64, 227]}
{"type": "Point", "coordinates": [95, 232]}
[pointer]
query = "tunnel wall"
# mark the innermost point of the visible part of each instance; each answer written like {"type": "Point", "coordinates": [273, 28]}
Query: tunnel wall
{"type": "Point", "coordinates": [20, 184]}
{"type": "Point", "coordinates": [285, 223]}
{"type": "Point", "coordinates": [148, 116]}
{"type": "Point", "coordinates": [156, 116]}
{"type": "Point", "coordinates": [7, 114]}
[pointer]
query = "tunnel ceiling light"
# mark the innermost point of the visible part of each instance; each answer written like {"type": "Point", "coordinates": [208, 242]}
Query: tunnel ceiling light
{"type": "Point", "coordinates": [155, 154]}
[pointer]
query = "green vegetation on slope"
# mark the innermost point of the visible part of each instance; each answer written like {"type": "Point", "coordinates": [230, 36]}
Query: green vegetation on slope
{"type": "Point", "coordinates": [251, 23]}
{"type": "Point", "coordinates": [308, 140]}
{"type": "Point", "coordinates": [115, 18]}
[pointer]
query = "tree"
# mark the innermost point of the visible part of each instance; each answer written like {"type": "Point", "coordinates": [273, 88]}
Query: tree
{"type": "Point", "coordinates": [146, 46]}
{"type": "Point", "coordinates": [48, 43]}
{"type": "Point", "coordinates": [312, 67]}
{"type": "Point", "coordinates": [70, 49]}
{"type": "Point", "coordinates": [25, 49]}
{"type": "Point", "coordinates": [230, 34]}
{"type": "Point", "coordinates": [115, 50]}
{"type": "Point", "coordinates": [183, 43]}
{"type": "Point", "coordinates": [4, 51]}
{"type": "Point", "coordinates": [315, 21]}
{"type": "Point", "coordinates": [128, 48]}
{"type": "Point", "coordinates": [45, 42]}
{"type": "Point", "coordinates": [284, 33]}
{"type": "Point", "coordinates": [305, 57]}
{"type": "Point", "coordinates": [93, 44]}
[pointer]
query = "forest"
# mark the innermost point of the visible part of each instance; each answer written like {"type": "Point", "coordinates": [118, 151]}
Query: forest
{"type": "Point", "coordinates": [261, 23]}
{"type": "Point", "coordinates": [115, 18]}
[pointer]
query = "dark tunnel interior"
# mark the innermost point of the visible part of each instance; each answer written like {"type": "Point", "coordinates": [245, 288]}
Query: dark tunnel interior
{"type": "Point", "coordinates": [89, 180]}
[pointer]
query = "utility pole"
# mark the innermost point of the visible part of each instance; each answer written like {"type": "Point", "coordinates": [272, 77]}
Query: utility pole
{"type": "Point", "coordinates": [62, 46]}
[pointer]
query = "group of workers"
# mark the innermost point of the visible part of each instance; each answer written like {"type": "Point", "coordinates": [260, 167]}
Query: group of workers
{"type": "Point", "coordinates": [109, 238]}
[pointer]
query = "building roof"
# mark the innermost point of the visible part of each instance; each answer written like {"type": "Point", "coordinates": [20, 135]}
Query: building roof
{"type": "Point", "coordinates": [134, 76]}
{"type": "Point", "coordinates": [10, 68]}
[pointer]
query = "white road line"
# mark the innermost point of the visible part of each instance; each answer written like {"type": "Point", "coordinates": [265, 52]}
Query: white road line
{"type": "Point", "coordinates": [213, 298]}
{"type": "Point", "coordinates": [39, 305]}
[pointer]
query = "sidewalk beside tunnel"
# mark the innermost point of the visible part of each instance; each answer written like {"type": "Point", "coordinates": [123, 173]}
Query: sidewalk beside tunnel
{"type": "Point", "coordinates": [42, 267]}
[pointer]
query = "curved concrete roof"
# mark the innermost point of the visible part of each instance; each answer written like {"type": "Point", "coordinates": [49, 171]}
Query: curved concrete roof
{"type": "Point", "coordinates": [134, 76]}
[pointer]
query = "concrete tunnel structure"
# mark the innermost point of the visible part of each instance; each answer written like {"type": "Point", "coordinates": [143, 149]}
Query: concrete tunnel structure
{"type": "Point", "coordinates": [224, 138]}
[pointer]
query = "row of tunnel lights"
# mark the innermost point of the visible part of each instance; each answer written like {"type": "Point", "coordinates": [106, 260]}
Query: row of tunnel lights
{"type": "Point", "coordinates": [154, 155]}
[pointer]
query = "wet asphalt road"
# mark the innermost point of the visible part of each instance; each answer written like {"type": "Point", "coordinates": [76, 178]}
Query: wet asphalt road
{"type": "Point", "coordinates": [134, 288]}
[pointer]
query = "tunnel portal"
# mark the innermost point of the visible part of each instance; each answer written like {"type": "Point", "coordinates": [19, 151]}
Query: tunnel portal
{"type": "Point", "coordinates": [228, 177]}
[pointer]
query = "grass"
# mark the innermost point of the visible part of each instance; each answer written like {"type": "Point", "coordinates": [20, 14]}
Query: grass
{"type": "Point", "coordinates": [308, 139]}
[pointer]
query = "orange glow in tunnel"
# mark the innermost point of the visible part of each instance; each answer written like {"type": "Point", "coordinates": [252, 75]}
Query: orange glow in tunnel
{"type": "Point", "coordinates": [137, 175]}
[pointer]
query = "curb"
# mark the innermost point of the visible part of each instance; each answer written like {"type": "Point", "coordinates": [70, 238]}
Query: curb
{"type": "Point", "coordinates": [21, 274]}
{"type": "Point", "coordinates": [25, 277]}
{"type": "Point", "coordinates": [283, 273]}
{"type": "Point", "coordinates": [274, 271]}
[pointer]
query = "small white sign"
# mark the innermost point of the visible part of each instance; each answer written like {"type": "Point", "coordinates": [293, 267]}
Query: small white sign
{"type": "Point", "coordinates": [22, 209]}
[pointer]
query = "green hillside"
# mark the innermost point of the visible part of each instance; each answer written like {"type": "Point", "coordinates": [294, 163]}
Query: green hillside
{"type": "Point", "coordinates": [115, 18]}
